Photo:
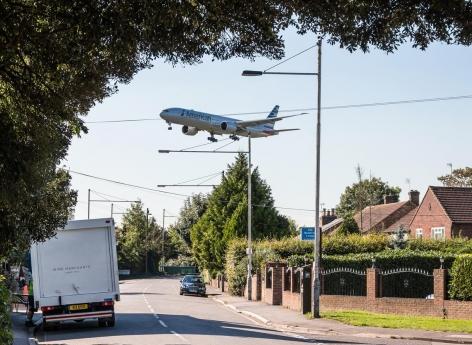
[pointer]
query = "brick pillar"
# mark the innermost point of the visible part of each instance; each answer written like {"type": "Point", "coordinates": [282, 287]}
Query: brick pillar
{"type": "Point", "coordinates": [373, 284]}
{"type": "Point", "coordinates": [277, 281]}
{"type": "Point", "coordinates": [440, 293]}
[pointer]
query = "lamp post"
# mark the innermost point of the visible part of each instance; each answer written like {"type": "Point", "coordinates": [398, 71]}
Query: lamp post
{"type": "Point", "coordinates": [249, 220]}
{"type": "Point", "coordinates": [315, 307]}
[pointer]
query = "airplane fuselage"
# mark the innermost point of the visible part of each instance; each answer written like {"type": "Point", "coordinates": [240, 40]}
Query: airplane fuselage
{"type": "Point", "coordinates": [194, 121]}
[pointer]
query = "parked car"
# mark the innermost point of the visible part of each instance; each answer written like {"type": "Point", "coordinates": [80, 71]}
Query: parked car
{"type": "Point", "coordinates": [192, 284]}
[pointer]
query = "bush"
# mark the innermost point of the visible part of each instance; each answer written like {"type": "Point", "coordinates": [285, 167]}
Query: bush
{"type": "Point", "coordinates": [455, 245]}
{"type": "Point", "coordinates": [390, 259]}
{"type": "Point", "coordinates": [348, 226]}
{"type": "Point", "coordinates": [461, 278]}
{"type": "Point", "coordinates": [6, 336]}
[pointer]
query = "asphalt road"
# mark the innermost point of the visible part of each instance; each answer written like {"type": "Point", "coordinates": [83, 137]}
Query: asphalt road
{"type": "Point", "coordinates": [152, 312]}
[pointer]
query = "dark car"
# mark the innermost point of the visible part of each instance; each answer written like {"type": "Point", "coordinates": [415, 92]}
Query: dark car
{"type": "Point", "coordinates": [192, 284]}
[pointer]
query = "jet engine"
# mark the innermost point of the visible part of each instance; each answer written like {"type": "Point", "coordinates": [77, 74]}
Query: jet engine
{"type": "Point", "coordinates": [229, 127]}
{"type": "Point", "coordinates": [189, 130]}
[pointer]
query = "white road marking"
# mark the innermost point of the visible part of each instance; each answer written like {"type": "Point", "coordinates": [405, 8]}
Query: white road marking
{"type": "Point", "coordinates": [156, 316]}
{"type": "Point", "coordinates": [162, 323]}
{"type": "Point", "coordinates": [179, 336]}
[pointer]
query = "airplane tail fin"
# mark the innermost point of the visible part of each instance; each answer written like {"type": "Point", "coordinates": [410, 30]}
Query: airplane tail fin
{"type": "Point", "coordinates": [272, 114]}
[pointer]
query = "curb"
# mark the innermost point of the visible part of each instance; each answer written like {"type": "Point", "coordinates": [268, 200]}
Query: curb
{"type": "Point", "coordinates": [313, 332]}
{"type": "Point", "coordinates": [33, 341]}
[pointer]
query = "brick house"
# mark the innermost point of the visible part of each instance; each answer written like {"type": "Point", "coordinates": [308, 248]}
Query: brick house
{"type": "Point", "coordinates": [445, 212]}
{"type": "Point", "coordinates": [389, 216]}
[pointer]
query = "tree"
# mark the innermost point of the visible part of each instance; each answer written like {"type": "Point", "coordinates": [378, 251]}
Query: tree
{"type": "Point", "coordinates": [136, 237]}
{"type": "Point", "coordinates": [458, 178]}
{"type": "Point", "coordinates": [58, 59]}
{"type": "Point", "coordinates": [226, 216]}
{"type": "Point", "coordinates": [348, 226]}
{"type": "Point", "coordinates": [363, 193]}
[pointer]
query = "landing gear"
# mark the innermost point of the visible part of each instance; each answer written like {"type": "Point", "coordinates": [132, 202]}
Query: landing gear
{"type": "Point", "coordinates": [234, 137]}
{"type": "Point", "coordinates": [212, 138]}
{"type": "Point", "coordinates": [169, 126]}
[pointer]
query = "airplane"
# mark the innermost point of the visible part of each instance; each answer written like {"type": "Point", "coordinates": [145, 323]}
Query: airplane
{"type": "Point", "coordinates": [194, 121]}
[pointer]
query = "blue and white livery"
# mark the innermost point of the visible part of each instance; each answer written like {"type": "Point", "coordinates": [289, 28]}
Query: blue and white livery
{"type": "Point", "coordinates": [194, 121]}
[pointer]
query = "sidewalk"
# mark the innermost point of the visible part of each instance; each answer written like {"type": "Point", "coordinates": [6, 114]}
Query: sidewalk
{"type": "Point", "coordinates": [21, 334]}
{"type": "Point", "coordinates": [287, 320]}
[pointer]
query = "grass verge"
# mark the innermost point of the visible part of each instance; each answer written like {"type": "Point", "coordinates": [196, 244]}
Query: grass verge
{"type": "Point", "coordinates": [361, 318]}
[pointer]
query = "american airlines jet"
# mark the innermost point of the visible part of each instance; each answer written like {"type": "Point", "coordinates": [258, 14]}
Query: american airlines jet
{"type": "Point", "coordinates": [193, 121]}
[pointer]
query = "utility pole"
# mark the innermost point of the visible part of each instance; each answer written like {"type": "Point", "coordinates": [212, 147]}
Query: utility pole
{"type": "Point", "coordinates": [147, 239]}
{"type": "Point", "coordinates": [315, 307]}
{"type": "Point", "coordinates": [111, 214]}
{"type": "Point", "coordinates": [249, 221]}
{"type": "Point", "coordinates": [88, 205]}
{"type": "Point", "coordinates": [163, 235]}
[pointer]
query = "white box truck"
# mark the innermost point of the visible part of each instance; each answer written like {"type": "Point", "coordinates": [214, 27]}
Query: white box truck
{"type": "Point", "coordinates": [75, 273]}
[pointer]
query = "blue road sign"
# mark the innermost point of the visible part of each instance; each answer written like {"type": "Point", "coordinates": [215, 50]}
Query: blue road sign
{"type": "Point", "coordinates": [307, 233]}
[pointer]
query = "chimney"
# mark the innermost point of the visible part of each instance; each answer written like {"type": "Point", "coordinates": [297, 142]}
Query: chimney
{"type": "Point", "coordinates": [414, 197]}
{"type": "Point", "coordinates": [327, 217]}
{"type": "Point", "coordinates": [388, 199]}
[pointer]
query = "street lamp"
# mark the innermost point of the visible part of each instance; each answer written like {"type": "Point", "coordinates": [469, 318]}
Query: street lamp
{"type": "Point", "coordinates": [315, 307]}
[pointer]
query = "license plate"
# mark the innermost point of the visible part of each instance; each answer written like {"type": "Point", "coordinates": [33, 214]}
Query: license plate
{"type": "Point", "coordinates": [78, 307]}
{"type": "Point", "coordinates": [193, 290]}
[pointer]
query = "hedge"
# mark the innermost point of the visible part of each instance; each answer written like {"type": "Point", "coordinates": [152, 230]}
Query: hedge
{"type": "Point", "coordinates": [461, 278]}
{"type": "Point", "coordinates": [6, 336]}
{"type": "Point", "coordinates": [455, 245]}
{"type": "Point", "coordinates": [352, 251]}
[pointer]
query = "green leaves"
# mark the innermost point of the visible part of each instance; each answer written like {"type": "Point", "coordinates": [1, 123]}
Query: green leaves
{"type": "Point", "coordinates": [461, 278]}
{"type": "Point", "coordinates": [226, 216]}
{"type": "Point", "coordinates": [458, 178]}
{"type": "Point", "coordinates": [6, 335]}
{"type": "Point", "coordinates": [364, 193]}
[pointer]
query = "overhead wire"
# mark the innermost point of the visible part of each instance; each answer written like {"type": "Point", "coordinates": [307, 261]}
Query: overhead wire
{"type": "Point", "coordinates": [290, 58]}
{"type": "Point", "coordinates": [127, 184]}
{"type": "Point", "coordinates": [333, 107]}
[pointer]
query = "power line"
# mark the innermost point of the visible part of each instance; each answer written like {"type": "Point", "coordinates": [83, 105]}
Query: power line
{"type": "Point", "coordinates": [342, 106]}
{"type": "Point", "coordinates": [127, 184]}
{"type": "Point", "coordinates": [290, 58]}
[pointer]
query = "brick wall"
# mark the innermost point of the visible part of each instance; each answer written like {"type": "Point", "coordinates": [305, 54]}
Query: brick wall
{"type": "Point", "coordinates": [430, 214]}
{"type": "Point", "coordinates": [273, 295]}
{"type": "Point", "coordinates": [290, 298]}
{"type": "Point", "coordinates": [438, 307]}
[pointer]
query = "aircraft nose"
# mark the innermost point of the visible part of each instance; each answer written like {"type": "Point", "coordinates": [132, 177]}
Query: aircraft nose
{"type": "Point", "coordinates": [165, 114]}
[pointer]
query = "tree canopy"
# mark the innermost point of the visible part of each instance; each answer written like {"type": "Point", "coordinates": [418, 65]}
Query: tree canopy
{"type": "Point", "coordinates": [363, 193]}
{"type": "Point", "coordinates": [458, 178]}
{"type": "Point", "coordinates": [136, 237]}
{"type": "Point", "coordinates": [226, 216]}
{"type": "Point", "coordinates": [58, 59]}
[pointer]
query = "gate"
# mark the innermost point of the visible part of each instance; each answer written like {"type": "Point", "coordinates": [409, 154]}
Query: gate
{"type": "Point", "coordinates": [407, 283]}
{"type": "Point", "coordinates": [343, 281]}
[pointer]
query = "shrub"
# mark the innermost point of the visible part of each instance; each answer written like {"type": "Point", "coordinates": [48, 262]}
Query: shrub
{"type": "Point", "coordinates": [455, 245]}
{"type": "Point", "coordinates": [348, 226]}
{"type": "Point", "coordinates": [338, 245]}
{"type": "Point", "coordinates": [461, 278]}
{"type": "Point", "coordinates": [6, 336]}
{"type": "Point", "coordinates": [390, 259]}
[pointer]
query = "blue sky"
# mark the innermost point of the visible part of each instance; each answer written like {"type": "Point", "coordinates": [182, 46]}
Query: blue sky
{"type": "Point", "coordinates": [414, 141]}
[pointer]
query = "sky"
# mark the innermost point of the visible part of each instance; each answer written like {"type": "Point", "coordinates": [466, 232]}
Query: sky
{"type": "Point", "coordinates": [396, 142]}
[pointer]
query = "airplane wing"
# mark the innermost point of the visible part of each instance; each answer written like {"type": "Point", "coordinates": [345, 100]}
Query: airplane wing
{"type": "Point", "coordinates": [277, 131]}
{"type": "Point", "coordinates": [252, 123]}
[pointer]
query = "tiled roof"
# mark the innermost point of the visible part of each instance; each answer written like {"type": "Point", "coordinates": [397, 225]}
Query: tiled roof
{"type": "Point", "coordinates": [456, 201]}
{"type": "Point", "coordinates": [405, 221]}
{"type": "Point", "coordinates": [374, 215]}
{"type": "Point", "coordinates": [385, 217]}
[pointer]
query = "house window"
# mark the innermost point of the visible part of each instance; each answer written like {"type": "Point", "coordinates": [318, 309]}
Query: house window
{"type": "Point", "coordinates": [437, 233]}
{"type": "Point", "coordinates": [419, 233]}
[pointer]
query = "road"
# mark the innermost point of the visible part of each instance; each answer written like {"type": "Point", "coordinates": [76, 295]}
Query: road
{"type": "Point", "coordinates": [152, 312]}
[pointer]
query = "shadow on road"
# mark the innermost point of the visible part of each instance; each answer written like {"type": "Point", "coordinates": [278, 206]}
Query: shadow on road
{"type": "Point", "coordinates": [143, 324]}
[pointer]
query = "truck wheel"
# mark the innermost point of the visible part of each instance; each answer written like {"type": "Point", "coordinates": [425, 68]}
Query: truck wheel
{"type": "Point", "coordinates": [102, 322]}
{"type": "Point", "coordinates": [111, 321]}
